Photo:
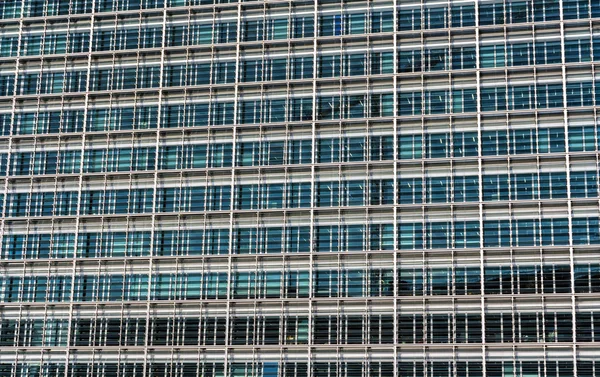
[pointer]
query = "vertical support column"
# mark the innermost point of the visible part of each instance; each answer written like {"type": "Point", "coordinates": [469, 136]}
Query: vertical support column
{"type": "Point", "coordinates": [80, 183]}
{"type": "Point", "coordinates": [155, 185]}
{"type": "Point", "coordinates": [569, 195]}
{"type": "Point", "coordinates": [232, 184]}
{"type": "Point", "coordinates": [312, 189]}
{"type": "Point", "coordinates": [395, 268]}
{"type": "Point", "coordinates": [480, 188]}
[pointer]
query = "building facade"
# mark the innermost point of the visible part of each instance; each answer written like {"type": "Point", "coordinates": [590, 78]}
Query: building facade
{"type": "Point", "coordinates": [384, 188]}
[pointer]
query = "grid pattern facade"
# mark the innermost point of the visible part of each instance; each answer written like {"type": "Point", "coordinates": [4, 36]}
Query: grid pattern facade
{"type": "Point", "coordinates": [384, 188]}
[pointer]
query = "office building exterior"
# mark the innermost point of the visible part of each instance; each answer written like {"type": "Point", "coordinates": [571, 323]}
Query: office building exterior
{"type": "Point", "coordinates": [385, 188]}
